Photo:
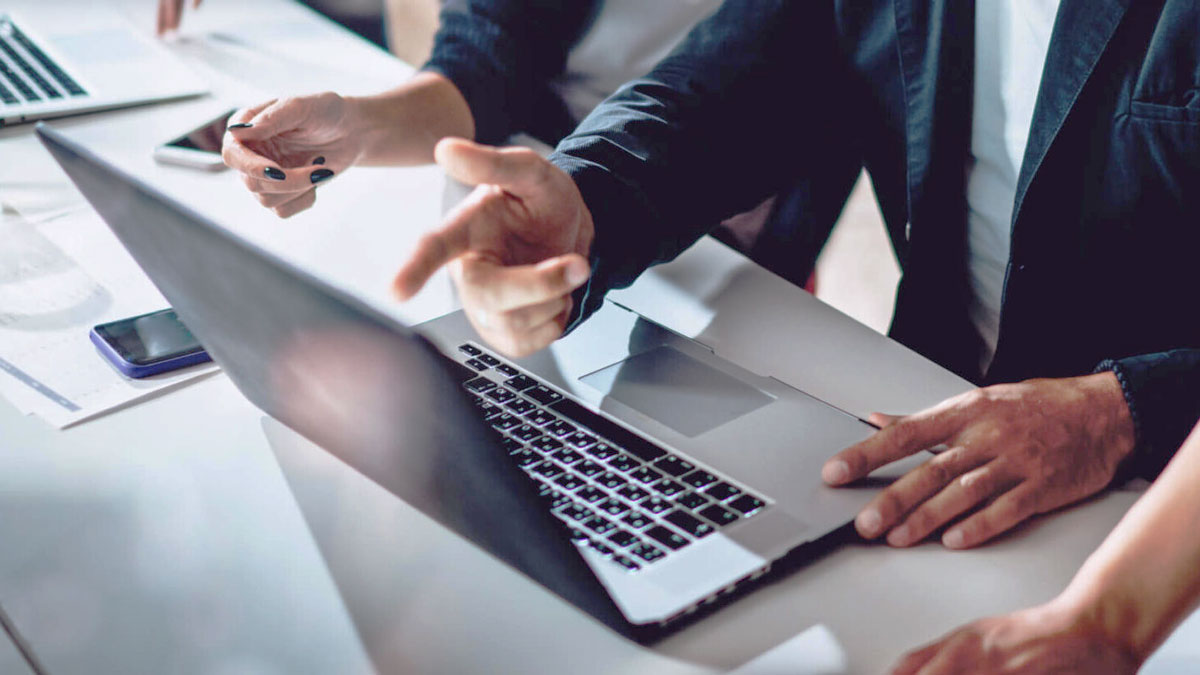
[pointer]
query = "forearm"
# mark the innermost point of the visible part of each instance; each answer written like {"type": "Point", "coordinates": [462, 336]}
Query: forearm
{"type": "Point", "coordinates": [401, 126]}
{"type": "Point", "coordinates": [1145, 577]}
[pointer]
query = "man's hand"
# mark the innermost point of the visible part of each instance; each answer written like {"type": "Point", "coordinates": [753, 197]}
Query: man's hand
{"type": "Point", "coordinates": [1045, 639]}
{"type": "Point", "coordinates": [519, 244]}
{"type": "Point", "coordinates": [170, 12]}
{"type": "Point", "coordinates": [1014, 451]}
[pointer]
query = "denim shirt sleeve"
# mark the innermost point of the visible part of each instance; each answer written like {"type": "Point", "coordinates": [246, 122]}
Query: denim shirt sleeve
{"type": "Point", "coordinates": [726, 120]}
{"type": "Point", "coordinates": [1163, 394]}
{"type": "Point", "coordinates": [504, 55]}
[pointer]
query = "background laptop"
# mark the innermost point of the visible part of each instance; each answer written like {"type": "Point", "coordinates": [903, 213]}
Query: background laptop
{"type": "Point", "coordinates": [64, 58]}
{"type": "Point", "coordinates": [630, 470]}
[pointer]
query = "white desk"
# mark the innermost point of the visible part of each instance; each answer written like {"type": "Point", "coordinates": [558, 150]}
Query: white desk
{"type": "Point", "coordinates": [165, 539]}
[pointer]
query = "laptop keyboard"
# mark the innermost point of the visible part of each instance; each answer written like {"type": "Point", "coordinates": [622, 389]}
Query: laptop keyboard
{"type": "Point", "coordinates": [626, 497]}
{"type": "Point", "coordinates": [27, 73]}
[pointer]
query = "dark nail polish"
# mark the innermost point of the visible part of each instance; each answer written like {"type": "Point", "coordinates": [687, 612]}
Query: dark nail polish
{"type": "Point", "coordinates": [274, 174]}
{"type": "Point", "coordinates": [320, 175]}
{"type": "Point", "coordinates": [243, 125]}
{"type": "Point", "coordinates": [319, 161]}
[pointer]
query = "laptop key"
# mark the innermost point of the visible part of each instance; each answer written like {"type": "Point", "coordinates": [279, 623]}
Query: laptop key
{"type": "Point", "coordinates": [666, 537]}
{"type": "Point", "coordinates": [699, 479]}
{"type": "Point", "coordinates": [619, 435]}
{"type": "Point", "coordinates": [580, 439]}
{"type": "Point", "coordinates": [477, 364]}
{"type": "Point", "coordinates": [610, 480]}
{"type": "Point", "coordinates": [505, 421]}
{"type": "Point", "coordinates": [525, 457]}
{"type": "Point", "coordinates": [637, 520]}
{"type": "Point", "coordinates": [591, 494]}
{"type": "Point", "coordinates": [501, 395]}
{"type": "Point", "coordinates": [543, 395]}
{"type": "Point", "coordinates": [548, 469]}
{"type": "Point", "coordinates": [570, 482]}
{"type": "Point", "coordinates": [722, 491]}
{"type": "Point", "coordinates": [674, 466]}
{"type": "Point", "coordinates": [613, 507]}
{"type": "Point", "coordinates": [624, 538]}
{"type": "Point", "coordinates": [589, 468]}
{"type": "Point", "coordinates": [561, 428]}
{"type": "Point", "coordinates": [488, 410]}
{"type": "Point", "coordinates": [627, 563]}
{"type": "Point", "coordinates": [525, 432]}
{"type": "Point", "coordinates": [624, 463]}
{"type": "Point", "coordinates": [719, 515]}
{"type": "Point", "coordinates": [689, 523]}
{"type": "Point", "coordinates": [567, 456]}
{"type": "Point", "coordinates": [602, 451]}
{"type": "Point", "coordinates": [540, 417]}
{"type": "Point", "coordinates": [747, 504]}
{"type": "Point", "coordinates": [647, 552]}
{"type": "Point", "coordinates": [511, 446]}
{"type": "Point", "coordinates": [646, 475]}
{"type": "Point", "coordinates": [632, 493]}
{"type": "Point", "coordinates": [521, 382]}
{"type": "Point", "coordinates": [603, 549]}
{"type": "Point", "coordinates": [669, 487]}
{"type": "Point", "coordinates": [470, 350]}
{"type": "Point", "coordinates": [545, 444]}
{"type": "Point", "coordinates": [656, 505]}
{"type": "Point", "coordinates": [691, 500]}
{"type": "Point", "coordinates": [507, 370]}
{"type": "Point", "coordinates": [480, 385]}
{"type": "Point", "coordinates": [489, 359]}
{"type": "Point", "coordinates": [520, 405]}
{"type": "Point", "coordinates": [575, 512]}
{"type": "Point", "coordinates": [599, 525]}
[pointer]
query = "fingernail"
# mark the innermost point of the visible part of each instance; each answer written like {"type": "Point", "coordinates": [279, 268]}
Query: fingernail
{"type": "Point", "coordinates": [835, 472]}
{"type": "Point", "coordinates": [274, 174]}
{"type": "Point", "coordinates": [320, 175]}
{"type": "Point", "coordinates": [899, 536]}
{"type": "Point", "coordinates": [577, 273]}
{"type": "Point", "coordinates": [319, 161]}
{"type": "Point", "coordinates": [953, 539]}
{"type": "Point", "coordinates": [243, 125]}
{"type": "Point", "coordinates": [868, 522]}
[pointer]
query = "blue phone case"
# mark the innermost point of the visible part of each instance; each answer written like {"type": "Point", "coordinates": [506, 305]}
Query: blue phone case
{"type": "Point", "coordinates": [139, 371]}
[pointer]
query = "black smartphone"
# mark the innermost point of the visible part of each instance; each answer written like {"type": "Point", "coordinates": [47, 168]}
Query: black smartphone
{"type": "Point", "coordinates": [199, 148]}
{"type": "Point", "coordinates": [149, 344]}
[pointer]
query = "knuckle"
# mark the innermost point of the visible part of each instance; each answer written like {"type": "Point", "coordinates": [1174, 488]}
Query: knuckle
{"type": "Point", "coordinates": [891, 504]}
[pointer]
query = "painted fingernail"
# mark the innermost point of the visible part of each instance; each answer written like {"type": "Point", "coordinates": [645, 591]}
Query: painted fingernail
{"type": "Point", "coordinates": [899, 536]}
{"type": "Point", "coordinates": [320, 175]}
{"type": "Point", "coordinates": [319, 161]}
{"type": "Point", "coordinates": [868, 522]}
{"type": "Point", "coordinates": [243, 125]}
{"type": "Point", "coordinates": [274, 174]}
{"type": "Point", "coordinates": [835, 472]}
{"type": "Point", "coordinates": [953, 539]}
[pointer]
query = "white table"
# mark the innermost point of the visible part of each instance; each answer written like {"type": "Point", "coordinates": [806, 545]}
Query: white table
{"type": "Point", "coordinates": [164, 538]}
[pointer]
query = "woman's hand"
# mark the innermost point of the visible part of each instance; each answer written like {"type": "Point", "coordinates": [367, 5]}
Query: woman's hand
{"type": "Point", "coordinates": [284, 148]}
{"type": "Point", "coordinates": [1052, 638]}
{"type": "Point", "coordinates": [170, 12]}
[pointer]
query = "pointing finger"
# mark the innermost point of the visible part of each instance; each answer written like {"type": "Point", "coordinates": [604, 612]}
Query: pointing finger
{"type": "Point", "coordinates": [910, 435]}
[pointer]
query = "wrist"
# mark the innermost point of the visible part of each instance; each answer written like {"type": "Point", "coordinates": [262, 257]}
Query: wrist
{"type": "Point", "coordinates": [1112, 422]}
{"type": "Point", "coordinates": [1099, 611]}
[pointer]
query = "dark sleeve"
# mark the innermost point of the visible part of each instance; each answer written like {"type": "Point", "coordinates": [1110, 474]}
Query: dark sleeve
{"type": "Point", "coordinates": [725, 121]}
{"type": "Point", "coordinates": [503, 55]}
{"type": "Point", "coordinates": [1163, 394]}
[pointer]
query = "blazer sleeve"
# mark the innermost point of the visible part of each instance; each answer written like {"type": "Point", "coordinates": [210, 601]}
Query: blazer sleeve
{"type": "Point", "coordinates": [1163, 394]}
{"type": "Point", "coordinates": [504, 55]}
{"type": "Point", "coordinates": [728, 119]}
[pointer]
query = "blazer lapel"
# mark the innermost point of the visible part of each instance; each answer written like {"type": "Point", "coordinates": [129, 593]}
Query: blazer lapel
{"type": "Point", "coordinates": [1081, 32]}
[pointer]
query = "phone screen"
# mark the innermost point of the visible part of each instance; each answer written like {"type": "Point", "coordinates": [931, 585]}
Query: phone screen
{"type": "Point", "coordinates": [206, 138]}
{"type": "Point", "coordinates": [150, 338]}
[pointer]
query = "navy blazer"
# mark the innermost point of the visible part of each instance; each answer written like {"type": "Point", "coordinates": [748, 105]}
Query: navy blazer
{"type": "Point", "coordinates": [1106, 226]}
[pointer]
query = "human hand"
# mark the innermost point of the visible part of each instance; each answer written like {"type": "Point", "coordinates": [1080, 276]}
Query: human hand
{"type": "Point", "coordinates": [1046, 639]}
{"type": "Point", "coordinates": [170, 12]}
{"type": "Point", "coordinates": [284, 148]}
{"type": "Point", "coordinates": [519, 243]}
{"type": "Point", "coordinates": [1015, 450]}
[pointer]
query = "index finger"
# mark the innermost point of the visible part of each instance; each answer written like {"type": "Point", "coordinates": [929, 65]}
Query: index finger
{"type": "Point", "coordinates": [910, 435]}
{"type": "Point", "coordinates": [433, 251]}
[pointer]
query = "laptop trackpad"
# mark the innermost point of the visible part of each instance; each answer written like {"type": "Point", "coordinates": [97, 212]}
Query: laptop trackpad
{"type": "Point", "coordinates": [677, 390]}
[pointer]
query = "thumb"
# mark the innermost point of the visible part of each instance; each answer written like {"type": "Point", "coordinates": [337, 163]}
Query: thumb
{"type": "Point", "coordinates": [516, 170]}
{"type": "Point", "coordinates": [274, 119]}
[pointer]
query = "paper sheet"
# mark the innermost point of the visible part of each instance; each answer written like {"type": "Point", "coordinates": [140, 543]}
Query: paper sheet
{"type": "Point", "coordinates": [48, 302]}
{"type": "Point", "coordinates": [814, 652]}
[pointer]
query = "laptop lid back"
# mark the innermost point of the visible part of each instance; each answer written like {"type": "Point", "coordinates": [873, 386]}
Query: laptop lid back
{"type": "Point", "coordinates": [364, 387]}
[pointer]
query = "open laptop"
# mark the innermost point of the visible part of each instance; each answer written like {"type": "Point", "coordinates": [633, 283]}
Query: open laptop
{"type": "Point", "coordinates": [60, 59]}
{"type": "Point", "coordinates": [628, 469]}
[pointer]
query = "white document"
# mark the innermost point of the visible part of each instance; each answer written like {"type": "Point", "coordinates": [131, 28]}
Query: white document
{"type": "Point", "coordinates": [49, 300]}
{"type": "Point", "coordinates": [814, 652]}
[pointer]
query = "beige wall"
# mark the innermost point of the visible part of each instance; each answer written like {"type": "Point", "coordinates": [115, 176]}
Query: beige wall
{"type": "Point", "coordinates": [411, 25]}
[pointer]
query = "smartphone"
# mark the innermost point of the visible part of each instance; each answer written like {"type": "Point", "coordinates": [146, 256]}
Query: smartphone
{"type": "Point", "coordinates": [199, 148]}
{"type": "Point", "coordinates": [149, 344]}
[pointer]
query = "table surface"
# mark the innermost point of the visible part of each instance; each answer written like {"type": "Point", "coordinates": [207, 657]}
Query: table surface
{"type": "Point", "coordinates": [167, 537]}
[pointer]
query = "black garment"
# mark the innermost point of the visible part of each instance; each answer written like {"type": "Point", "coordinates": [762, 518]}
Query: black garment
{"type": "Point", "coordinates": [508, 57]}
{"type": "Point", "coordinates": [1106, 230]}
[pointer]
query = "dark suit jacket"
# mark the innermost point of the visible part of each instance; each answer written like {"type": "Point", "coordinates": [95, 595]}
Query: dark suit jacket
{"type": "Point", "coordinates": [1106, 232]}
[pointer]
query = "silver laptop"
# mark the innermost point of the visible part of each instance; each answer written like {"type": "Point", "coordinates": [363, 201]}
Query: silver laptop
{"type": "Point", "coordinates": [628, 469]}
{"type": "Point", "coordinates": [60, 59]}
